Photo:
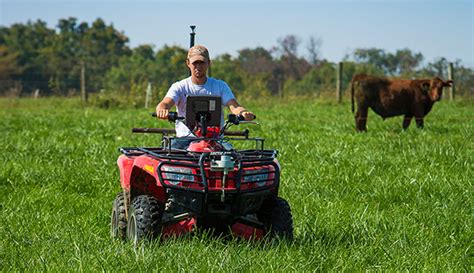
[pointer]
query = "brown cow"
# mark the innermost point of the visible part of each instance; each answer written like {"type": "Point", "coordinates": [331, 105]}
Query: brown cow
{"type": "Point", "coordinates": [394, 97]}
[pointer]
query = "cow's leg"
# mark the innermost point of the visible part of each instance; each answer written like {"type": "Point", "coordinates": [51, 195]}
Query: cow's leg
{"type": "Point", "coordinates": [419, 122]}
{"type": "Point", "coordinates": [419, 118]}
{"type": "Point", "coordinates": [406, 121]}
{"type": "Point", "coordinates": [361, 118]}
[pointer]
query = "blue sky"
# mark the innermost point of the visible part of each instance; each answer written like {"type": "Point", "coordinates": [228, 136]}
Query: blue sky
{"type": "Point", "coordinates": [435, 28]}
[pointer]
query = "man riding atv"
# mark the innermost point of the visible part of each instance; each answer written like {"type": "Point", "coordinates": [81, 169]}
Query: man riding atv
{"type": "Point", "coordinates": [198, 84]}
{"type": "Point", "coordinates": [196, 179]}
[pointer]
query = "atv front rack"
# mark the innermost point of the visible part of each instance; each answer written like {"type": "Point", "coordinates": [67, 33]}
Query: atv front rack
{"type": "Point", "coordinates": [250, 155]}
{"type": "Point", "coordinates": [192, 190]}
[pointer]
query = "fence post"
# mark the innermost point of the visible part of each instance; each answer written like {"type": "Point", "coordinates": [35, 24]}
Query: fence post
{"type": "Point", "coordinates": [451, 77]}
{"type": "Point", "coordinates": [339, 82]}
{"type": "Point", "coordinates": [83, 82]}
{"type": "Point", "coordinates": [148, 95]}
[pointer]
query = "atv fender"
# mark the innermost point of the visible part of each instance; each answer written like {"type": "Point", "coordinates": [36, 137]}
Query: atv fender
{"type": "Point", "coordinates": [125, 165]}
{"type": "Point", "coordinates": [144, 178]}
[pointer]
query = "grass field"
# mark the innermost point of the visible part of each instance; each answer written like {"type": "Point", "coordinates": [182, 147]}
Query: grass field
{"type": "Point", "coordinates": [383, 200]}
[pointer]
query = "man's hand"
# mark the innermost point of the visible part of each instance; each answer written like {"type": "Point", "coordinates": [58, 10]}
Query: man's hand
{"type": "Point", "coordinates": [162, 113]}
{"type": "Point", "coordinates": [163, 108]}
{"type": "Point", "coordinates": [236, 109]}
{"type": "Point", "coordinates": [248, 116]}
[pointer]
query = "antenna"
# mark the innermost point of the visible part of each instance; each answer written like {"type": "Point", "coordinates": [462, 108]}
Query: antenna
{"type": "Point", "coordinates": [192, 34]}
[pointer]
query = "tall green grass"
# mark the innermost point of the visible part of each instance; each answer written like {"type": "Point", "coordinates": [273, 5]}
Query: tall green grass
{"type": "Point", "coordinates": [385, 199]}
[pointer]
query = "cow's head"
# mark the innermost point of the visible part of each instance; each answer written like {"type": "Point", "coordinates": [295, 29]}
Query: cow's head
{"type": "Point", "coordinates": [434, 88]}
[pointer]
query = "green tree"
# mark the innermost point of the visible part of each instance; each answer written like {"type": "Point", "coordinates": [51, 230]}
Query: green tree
{"type": "Point", "coordinates": [64, 56]}
{"type": "Point", "coordinates": [101, 47]}
{"type": "Point", "coordinates": [293, 66]}
{"type": "Point", "coordinates": [437, 68]}
{"type": "Point", "coordinates": [463, 80]}
{"type": "Point", "coordinates": [313, 46]}
{"type": "Point", "coordinates": [407, 62]}
{"type": "Point", "coordinates": [403, 63]}
{"type": "Point", "coordinates": [98, 48]}
{"type": "Point", "coordinates": [9, 69]}
{"type": "Point", "coordinates": [352, 68]}
{"type": "Point", "coordinates": [290, 65]}
{"type": "Point", "coordinates": [317, 80]}
{"type": "Point", "coordinates": [170, 66]}
{"type": "Point", "coordinates": [28, 42]}
{"type": "Point", "coordinates": [257, 60]}
{"type": "Point", "coordinates": [132, 75]}
{"type": "Point", "coordinates": [260, 66]}
{"type": "Point", "coordinates": [226, 68]}
{"type": "Point", "coordinates": [374, 56]}
{"type": "Point", "coordinates": [131, 70]}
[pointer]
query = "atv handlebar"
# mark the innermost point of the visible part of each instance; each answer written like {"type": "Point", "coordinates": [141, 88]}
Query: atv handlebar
{"type": "Point", "coordinates": [235, 119]}
{"type": "Point", "coordinates": [173, 117]}
{"type": "Point", "coordinates": [244, 133]}
{"type": "Point", "coordinates": [154, 130]}
{"type": "Point", "coordinates": [238, 119]}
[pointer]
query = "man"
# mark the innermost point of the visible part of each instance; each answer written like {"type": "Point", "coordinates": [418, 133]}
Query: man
{"type": "Point", "coordinates": [197, 84]}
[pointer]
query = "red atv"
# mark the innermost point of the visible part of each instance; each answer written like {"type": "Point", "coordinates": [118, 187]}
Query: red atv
{"type": "Point", "coordinates": [170, 192]}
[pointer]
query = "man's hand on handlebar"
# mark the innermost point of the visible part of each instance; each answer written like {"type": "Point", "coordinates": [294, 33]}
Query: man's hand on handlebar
{"type": "Point", "coordinates": [248, 116]}
{"type": "Point", "coordinates": [170, 116]}
{"type": "Point", "coordinates": [162, 113]}
{"type": "Point", "coordinates": [162, 109]}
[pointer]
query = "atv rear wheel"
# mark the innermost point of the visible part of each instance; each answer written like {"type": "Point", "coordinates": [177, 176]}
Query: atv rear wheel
{"type": "Point", "coordinates": [118, 225]}
{"type": "Point", "coordinates": [275, 213]}
{"type": "Point", "coordinates": [144, 218]}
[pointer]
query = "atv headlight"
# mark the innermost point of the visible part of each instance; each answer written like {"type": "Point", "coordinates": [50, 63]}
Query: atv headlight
{"type": "Point", "coordinates": [260, 176]}
{"type": "Point", "coordinates": [174, 175]}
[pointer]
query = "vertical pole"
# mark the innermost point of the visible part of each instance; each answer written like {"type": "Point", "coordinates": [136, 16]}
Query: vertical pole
{"type": "Point", "coordinates": [451, 77]}
{"type": "Point", "coordinates": [280, 88]}
{"type": "Point", "coordinates": [192, 35]}
{"type": "Point", "coordinates": [36, 93]}
{"type": "Point", "coordinates": [83, 82]}
{"type": "Point", "coordinates": [339, 82]}
{"type": "Point", "coordinates": [191, 39]}
{"type": "Point", "coordinates": [148, 95]}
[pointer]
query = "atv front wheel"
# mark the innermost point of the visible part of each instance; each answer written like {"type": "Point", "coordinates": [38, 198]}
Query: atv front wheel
{"type": "Point", "coordinates": [144, 218]}
{"type": "Point", "coordinates": [275, 213]}
{"type": "Point", "coordinates": [118, 225]}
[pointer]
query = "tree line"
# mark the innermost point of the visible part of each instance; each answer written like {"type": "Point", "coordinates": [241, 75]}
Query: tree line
{"type": "Point", "coordinates": [34, 57]}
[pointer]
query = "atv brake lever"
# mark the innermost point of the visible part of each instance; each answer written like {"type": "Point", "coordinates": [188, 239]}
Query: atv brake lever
{"type": "Point", "coordinates": [236, 120]}
{"type": "Point", "coordinates": [243, 121]}
{"type": "Point", "coordinates": [249, 122]}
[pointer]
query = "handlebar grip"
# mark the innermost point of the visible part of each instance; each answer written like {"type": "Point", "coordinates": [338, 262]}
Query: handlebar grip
{"type": "Point", "coordinates": [244, 133]}
{"type": "Point", "coordinates": [172, 116]}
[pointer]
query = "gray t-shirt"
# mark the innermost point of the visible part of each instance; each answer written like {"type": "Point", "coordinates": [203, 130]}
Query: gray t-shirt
{"type": "Point", "coordinates": [180, 90]}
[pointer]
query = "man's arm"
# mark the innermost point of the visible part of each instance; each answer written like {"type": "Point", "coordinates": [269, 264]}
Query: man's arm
{"type": "Point", "coordinates": [237, 109]}
{"type": "Point", "coordinates": [162, 109]}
